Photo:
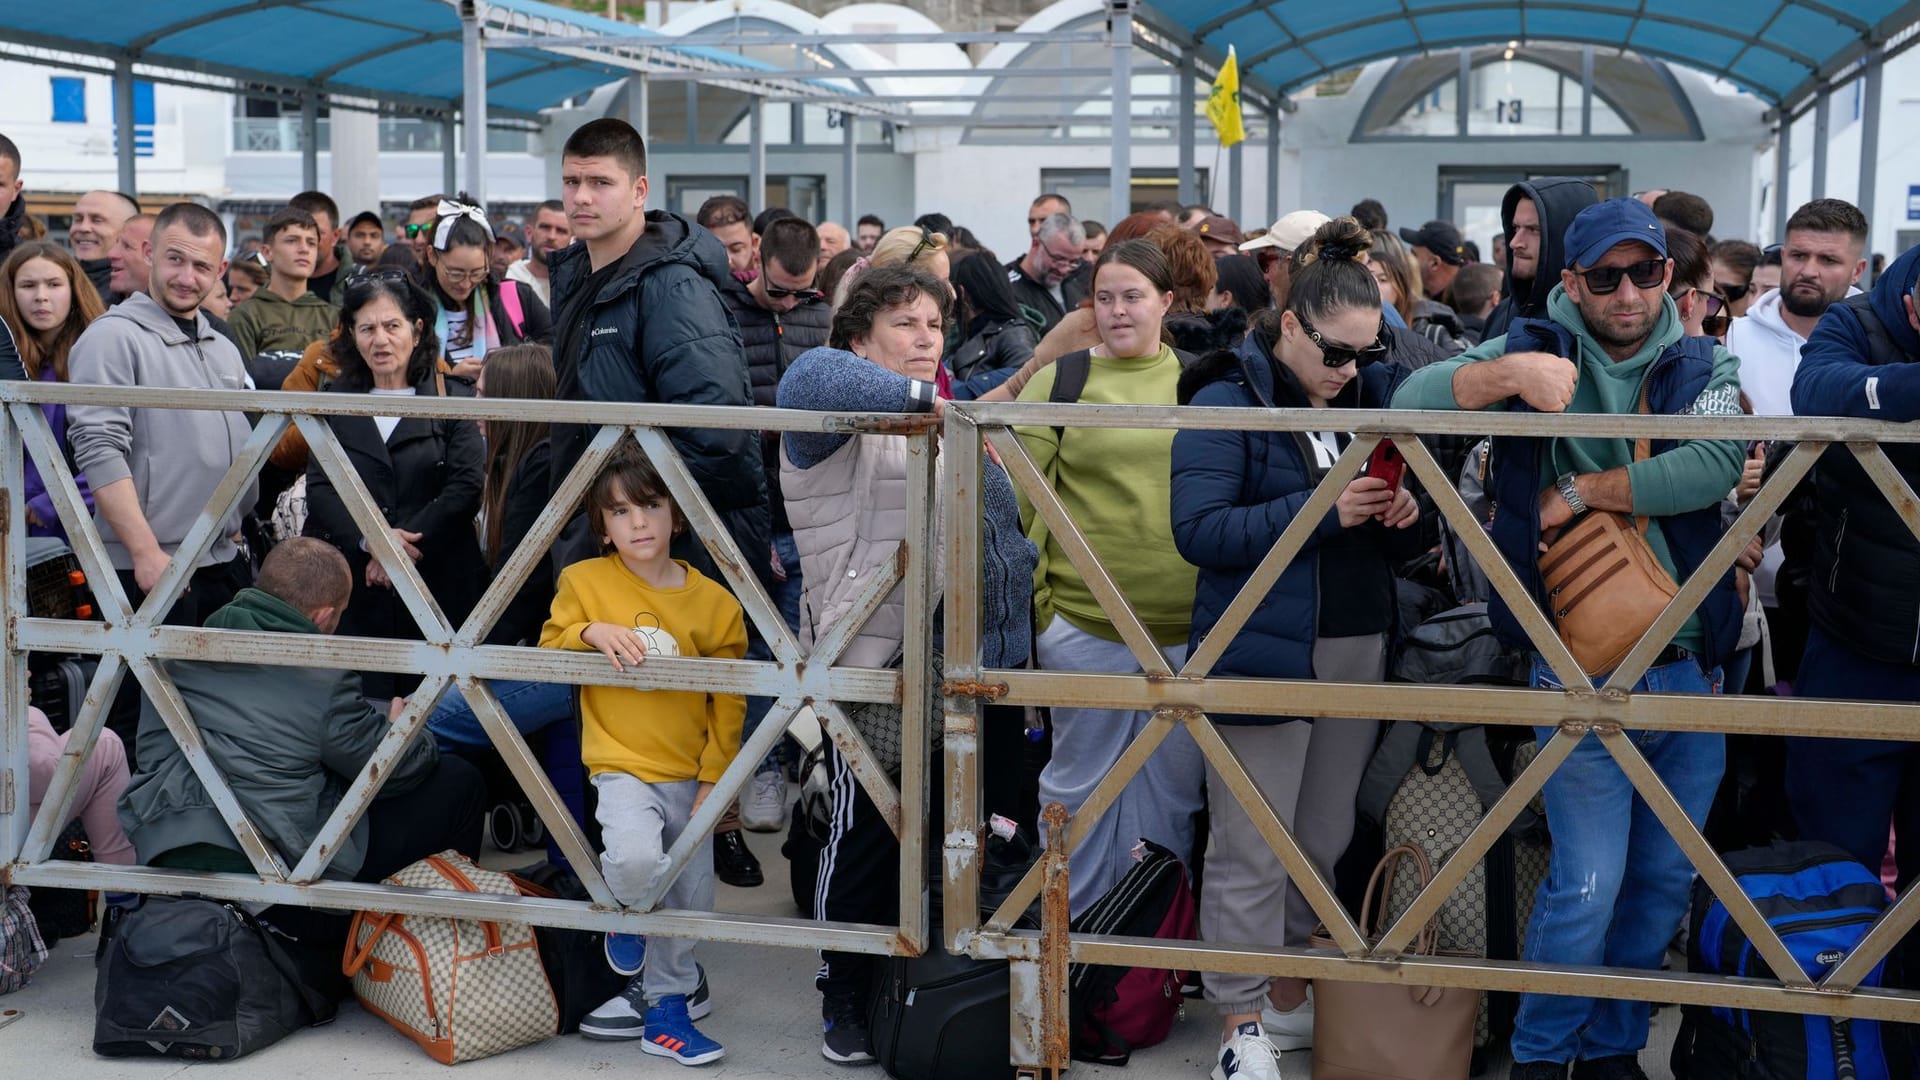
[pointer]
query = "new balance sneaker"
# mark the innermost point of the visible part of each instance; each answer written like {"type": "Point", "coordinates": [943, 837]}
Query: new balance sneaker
{"type": "Point", "coordinates": [624, 1016]}
{"type": "Point", "coordinates": [765, 807]}
{"type": "Point", "coordinates": [847, 1040]}
{"type": "Point", "coordinates": [1248, 1055]}
{"type": "Point", "coordinates": [670, 1034]}
{"type": "Point", "coordinates": [626, 953]}
{"type": "Point", "coordinates": [1290, 1030]}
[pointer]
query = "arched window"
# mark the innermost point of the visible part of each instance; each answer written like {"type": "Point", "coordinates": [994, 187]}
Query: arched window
{"type": "Point", "coordinates": [1532, 91]}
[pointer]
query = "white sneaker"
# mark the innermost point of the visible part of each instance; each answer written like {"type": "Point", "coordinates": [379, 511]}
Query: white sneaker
{"type": "Point", "coordinates": [764, 808]}
{"type": "Point", "coordinates": [1249, 1055]}
{"type": "Point", "coordinates": [1291, 1030]}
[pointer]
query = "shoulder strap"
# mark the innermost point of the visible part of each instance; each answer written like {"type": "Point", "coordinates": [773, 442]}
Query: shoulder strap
{"type": "Point", "coordinates": [1069, 381]}
{"type": "Point", "coordinates": [1643, 446]}
{"type": "Point", "coordinates": [510, 303]}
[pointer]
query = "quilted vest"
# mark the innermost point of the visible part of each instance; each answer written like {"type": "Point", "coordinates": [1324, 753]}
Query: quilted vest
{"type": "Point", "coordinates": [849, 516]}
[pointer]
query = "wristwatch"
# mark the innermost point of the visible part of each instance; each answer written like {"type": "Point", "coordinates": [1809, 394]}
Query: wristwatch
{"type": "Point", "coordinates": [1571, 493]}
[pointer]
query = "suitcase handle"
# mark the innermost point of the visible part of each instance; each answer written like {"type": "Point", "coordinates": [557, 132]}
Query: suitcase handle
{"type": "Point", "coordinates": [356, 959]}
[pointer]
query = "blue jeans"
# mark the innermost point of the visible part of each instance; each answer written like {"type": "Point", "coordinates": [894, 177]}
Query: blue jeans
{"type": "Point", "coordinates": [786, 597]}
{"type": "Point", "coordinates": [530, 705]}
{"type": "Point", "coordinates": [1613, 896]}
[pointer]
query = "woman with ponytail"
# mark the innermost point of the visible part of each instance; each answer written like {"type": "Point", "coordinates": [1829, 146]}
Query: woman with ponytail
{"type": "Point", "coordinates": [475, 315]}
{"type": "Point", "coordinates": [1328, 617]}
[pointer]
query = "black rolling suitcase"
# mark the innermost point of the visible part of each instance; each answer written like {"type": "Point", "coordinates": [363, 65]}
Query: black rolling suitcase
{"type": "Point", "coordinates": [945, 1017]}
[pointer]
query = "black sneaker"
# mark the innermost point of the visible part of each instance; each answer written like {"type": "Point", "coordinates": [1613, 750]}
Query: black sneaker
{"type": "Point", "coordinates": [846, 1040]}
{"type": "Point", "coordinates": [1622, 1067]}
{"type": "Point", "coordinates": [733, 863]}
{"type": "Point", "coordinates": [1538, 1070]}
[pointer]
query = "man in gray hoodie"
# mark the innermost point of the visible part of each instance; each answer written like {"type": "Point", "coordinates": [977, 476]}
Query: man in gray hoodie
{"type": "Point", "coordinates": [153, 470]}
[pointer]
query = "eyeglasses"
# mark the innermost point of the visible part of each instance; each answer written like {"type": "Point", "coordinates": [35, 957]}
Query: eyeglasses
{"type": "Point", "coordinates": [461, 277]}
{"type": "Point", "coordinates": [1339, 356]}
{"type": "Point", "coordinates": [804, 295]}
{"type": "Point", "coordinates": [1603, 280]}
{"type": "Point", "coordinates": [1718, 318]}
{"type": "Point", "coordinates": [1733, 293]}
{"type": "Point", "coordinates": [415, 228]}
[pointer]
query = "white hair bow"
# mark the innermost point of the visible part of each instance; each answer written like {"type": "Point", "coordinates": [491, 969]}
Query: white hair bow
{"type": "Point", "coordinates": [450, 212]}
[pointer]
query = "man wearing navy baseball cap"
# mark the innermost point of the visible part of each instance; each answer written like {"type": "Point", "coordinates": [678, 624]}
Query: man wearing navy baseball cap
{"type": "Point", "coordinates": [1613, 343]}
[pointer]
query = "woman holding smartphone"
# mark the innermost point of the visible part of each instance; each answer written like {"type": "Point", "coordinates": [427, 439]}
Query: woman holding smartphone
{"type": "Point", "coordinates": [1328, 617]}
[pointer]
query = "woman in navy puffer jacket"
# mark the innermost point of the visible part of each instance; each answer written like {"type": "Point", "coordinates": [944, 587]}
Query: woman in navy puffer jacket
{"type": "Point", "coordinates": [1328, 617]}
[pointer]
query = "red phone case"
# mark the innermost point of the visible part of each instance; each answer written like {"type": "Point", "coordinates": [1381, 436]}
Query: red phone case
{"type": "Point", "coordinates": [1385, 463]}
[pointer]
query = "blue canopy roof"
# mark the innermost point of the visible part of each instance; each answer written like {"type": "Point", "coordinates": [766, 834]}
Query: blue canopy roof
{"type": "Point", "coordinates": [1781, 50]}
{"type": "Point", "coordinates": [405, 51]}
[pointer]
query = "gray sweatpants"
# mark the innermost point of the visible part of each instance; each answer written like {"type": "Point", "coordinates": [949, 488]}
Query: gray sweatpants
{"type": "Point", "coordinates": [639, 823]}
{"type": "Point", "coordinates": [1158, 803]}
{"type": "Point", "coordinates": [1310, 774]}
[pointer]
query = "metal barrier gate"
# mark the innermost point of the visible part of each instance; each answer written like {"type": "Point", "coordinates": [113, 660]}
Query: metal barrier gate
{"type": "Point", "coordinates": [1183, 698]}
{"type": "Point", "coordinates": [135, 641]}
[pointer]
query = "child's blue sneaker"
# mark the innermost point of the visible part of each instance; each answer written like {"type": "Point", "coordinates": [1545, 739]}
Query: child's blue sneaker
{"type": "Point", "coordinates": [626, 953]}
{"type": "Point", "coordinates": [671, 1034]}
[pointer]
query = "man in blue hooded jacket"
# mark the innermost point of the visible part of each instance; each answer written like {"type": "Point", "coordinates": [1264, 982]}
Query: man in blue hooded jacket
{"type": "Point", "coordinates": [1618, 885]}
{"type": "Point", "coordinates": [1864, 600]}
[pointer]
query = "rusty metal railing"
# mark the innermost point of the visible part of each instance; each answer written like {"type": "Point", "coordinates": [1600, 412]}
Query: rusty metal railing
{"type": "Point", "coordinates": [1183, 699]}
{"type": "Point", "coordinates": [131, 641]}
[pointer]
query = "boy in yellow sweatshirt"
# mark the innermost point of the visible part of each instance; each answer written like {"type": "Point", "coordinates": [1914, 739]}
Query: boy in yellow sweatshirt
{"type": "Point", "coordinates": [653, 755]}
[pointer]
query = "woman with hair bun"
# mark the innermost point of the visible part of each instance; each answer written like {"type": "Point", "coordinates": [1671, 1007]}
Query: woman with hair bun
{"type": "Point", "coordinates": [1328, 617]}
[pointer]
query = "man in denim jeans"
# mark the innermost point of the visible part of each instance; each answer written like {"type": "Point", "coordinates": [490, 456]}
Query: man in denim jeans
{"type": "Point", "coordinates": [1614, 896]}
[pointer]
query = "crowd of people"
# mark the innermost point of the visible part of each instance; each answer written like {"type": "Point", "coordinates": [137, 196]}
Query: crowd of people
{"type": "Point", "coordinates": [1589, 305]}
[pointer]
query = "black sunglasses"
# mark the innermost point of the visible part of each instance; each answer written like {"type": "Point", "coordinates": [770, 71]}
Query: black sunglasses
{"type": "Point", "coordinates": [1718, 316]}
{"type": "Point", "coordinates": [926, 241]}
{"type": "Point", "coordinates": [1603, 280]}
{"type": "Point", "coordinates": [1339, 356]}
{"type": "Point", "coordinates": [805, 295]}
{"type": "Point", "coordinates": [1733, 293]}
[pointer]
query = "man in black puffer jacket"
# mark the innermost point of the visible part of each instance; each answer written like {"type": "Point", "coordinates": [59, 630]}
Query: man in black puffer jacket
{"type": "Point", "coordinates": [638, 318]}
{"type": "Point", "coordinates": [1864, 642]}
{"type": "Point", "coordinates": [13, 208]}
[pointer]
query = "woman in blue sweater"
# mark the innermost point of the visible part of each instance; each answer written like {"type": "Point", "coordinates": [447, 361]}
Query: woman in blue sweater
{"type": "Point", "coordinates": [1328, 617]}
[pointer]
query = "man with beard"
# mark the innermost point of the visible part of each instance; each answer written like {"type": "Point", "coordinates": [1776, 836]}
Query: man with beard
{"type": "Point", "coordinates": [1612, 343]}
{"type": "Point", "coordinates": [153, 470]}
{"type": "Point", "coordinates": [1534, 218]}
{"type": "Point", "coordinates": [548, 233]}
{"type": "Point", "coordinates": [1820, 264]}
{"type": "Point", "coordinates": [1043, 280]}
{"type": "Point", "coordinates": [98, 217]}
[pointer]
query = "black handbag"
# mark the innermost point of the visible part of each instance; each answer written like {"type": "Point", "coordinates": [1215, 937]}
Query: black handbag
{"type": "Point", "coordinates": [67, 913]}
{"type": "Point", "coordinates": [190, 977]}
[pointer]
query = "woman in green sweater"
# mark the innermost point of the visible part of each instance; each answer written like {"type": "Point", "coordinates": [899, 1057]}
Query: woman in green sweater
{"type": "Point", "coordinates": [1114, 484]}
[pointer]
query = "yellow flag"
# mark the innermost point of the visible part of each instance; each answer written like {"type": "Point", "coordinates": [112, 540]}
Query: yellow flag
{"type": "Point", "coordinates": [1223, 104]}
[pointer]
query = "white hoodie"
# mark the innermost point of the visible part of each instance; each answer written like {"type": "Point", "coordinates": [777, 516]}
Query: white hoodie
{"type": "Point", "coordinates": [1769, 352]}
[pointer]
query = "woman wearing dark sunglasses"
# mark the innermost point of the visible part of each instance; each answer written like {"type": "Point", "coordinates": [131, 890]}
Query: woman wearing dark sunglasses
{"type": "Point", "coordinates": [1703, 311]}
{"type": "Point", "coordinates": [1327, 617]}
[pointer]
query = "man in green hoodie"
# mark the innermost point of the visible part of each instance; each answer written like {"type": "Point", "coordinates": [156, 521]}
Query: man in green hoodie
{"type": "Point", "coordinates": [289, 741]}
{"type": "Point", "coordinates": [282, 319]}
{"type": "Point", "coordinates": [1614, 895]}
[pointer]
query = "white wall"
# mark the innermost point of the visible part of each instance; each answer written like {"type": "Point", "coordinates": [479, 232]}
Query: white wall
{"type": "Point", "coordinates": [1899, 154]}
{"type": "Point", "coordinates": [189, 137]}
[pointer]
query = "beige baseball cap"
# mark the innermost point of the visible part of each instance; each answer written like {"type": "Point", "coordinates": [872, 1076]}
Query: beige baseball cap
{"type": "Point", "coordinates": [1291, 232]}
